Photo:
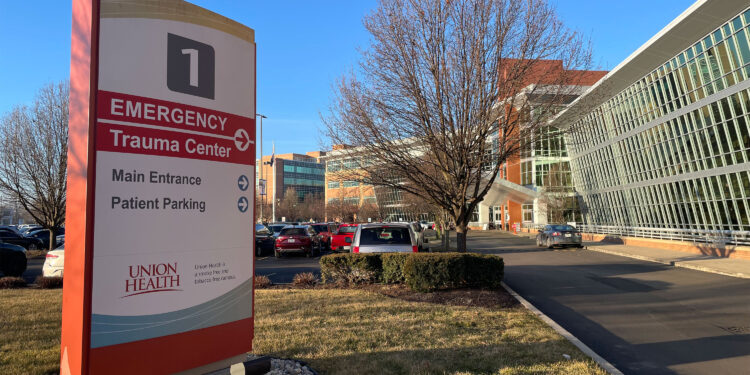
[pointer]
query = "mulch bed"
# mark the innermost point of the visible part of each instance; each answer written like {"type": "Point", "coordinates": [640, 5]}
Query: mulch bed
{"type": "Point", "coordinates": [457, 297]}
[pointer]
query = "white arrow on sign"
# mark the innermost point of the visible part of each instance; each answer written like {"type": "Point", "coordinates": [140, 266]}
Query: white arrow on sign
{"type": "Point", "coordinates": [241, 139]}
{"type": "Point", "coordinates": [243, 182]}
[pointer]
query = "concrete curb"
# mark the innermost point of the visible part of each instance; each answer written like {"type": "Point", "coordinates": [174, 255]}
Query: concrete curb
{"type": "Point", "coordinates": [680, 264]}
{"type": "Point", "coordinates": [608, 367]}
{"type": "Point", "coordinates": [627, 255]}
{"type": "Point", "coordinates": [739, 275]}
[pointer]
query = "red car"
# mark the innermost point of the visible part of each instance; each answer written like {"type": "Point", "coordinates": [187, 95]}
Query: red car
{"type": "Point", "coordinates": [325, 231]}
{"type": "Point", "coordinates": [342, 239]}
{"type": "Point", "coordinates": [297, 239]}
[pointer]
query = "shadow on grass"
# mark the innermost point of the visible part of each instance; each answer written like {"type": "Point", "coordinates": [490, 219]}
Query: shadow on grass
{"type": "Point", "coordinates": [540, 357]}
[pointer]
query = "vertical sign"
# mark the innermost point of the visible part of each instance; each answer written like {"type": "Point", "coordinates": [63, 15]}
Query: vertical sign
{"type": "Point", "coordinates": [159, 267]}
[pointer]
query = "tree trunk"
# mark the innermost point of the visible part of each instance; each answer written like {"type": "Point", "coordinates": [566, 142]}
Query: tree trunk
{"type": "Point", "coordinates": [461, 237]}
{"type": "Point", "coordinates": [51, 240]}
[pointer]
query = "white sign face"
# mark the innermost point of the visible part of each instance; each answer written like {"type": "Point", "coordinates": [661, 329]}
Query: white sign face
{"type": "Point", "coordinates": [174, 200]}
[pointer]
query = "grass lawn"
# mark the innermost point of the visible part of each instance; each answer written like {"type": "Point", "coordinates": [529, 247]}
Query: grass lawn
{"type": "Point", "coordinates": [30, 330]}
{"type": "Point", "coordinates": [338, 331]}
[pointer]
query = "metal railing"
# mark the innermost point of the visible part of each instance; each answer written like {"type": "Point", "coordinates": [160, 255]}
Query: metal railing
{"type": "Point", "coordinates": [713, 237]}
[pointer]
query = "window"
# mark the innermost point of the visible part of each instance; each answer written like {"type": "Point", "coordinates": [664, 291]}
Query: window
{"type": "Point", "coordinates": [333, 184]}
{"type": "Point", "coordinates": [334, 166]}
{"type": "Point", "coordinates": [385, 236]}
{"type": "Point", "coordinates": [528, 213]}
{"type": "Point", "coordinates": [351, 183]}
{"type": "Point", "coordinates": [351, 200]}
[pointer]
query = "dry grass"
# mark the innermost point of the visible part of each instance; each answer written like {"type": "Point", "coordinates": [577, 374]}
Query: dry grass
{"type": "Point", "coordinates": [338, 331]}
{"type": "Point", "coordinates": [30, 331]}
{"type": "Point", "coordinates": [359, 332]}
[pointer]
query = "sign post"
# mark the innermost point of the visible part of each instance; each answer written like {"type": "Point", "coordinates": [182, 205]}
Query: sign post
{"type": "Point", "coordinates": [160, 203]}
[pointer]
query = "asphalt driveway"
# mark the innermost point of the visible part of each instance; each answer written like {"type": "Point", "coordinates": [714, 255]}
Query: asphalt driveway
{"type": "Point", "coordinates": [643, 317]}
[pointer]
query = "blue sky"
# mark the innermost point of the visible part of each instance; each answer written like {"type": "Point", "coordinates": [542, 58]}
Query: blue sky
{"type": "Point", "coordinates": [303, 46]}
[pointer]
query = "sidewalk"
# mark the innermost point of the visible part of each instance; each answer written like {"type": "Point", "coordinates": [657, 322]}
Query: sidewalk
{"type": "Point", "coordinates": [706, 263]}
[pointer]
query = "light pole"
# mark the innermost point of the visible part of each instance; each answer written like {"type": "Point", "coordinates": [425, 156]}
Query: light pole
{"type": "Point", "coordinates": [263, 201]}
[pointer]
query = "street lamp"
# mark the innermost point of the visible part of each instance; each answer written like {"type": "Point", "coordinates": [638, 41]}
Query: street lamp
{"type": "Point", "coordinates": [261, 162]}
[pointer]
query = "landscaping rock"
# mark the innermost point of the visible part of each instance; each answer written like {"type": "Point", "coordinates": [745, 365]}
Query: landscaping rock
{"type": "Point", "coordinates": [284, 366]}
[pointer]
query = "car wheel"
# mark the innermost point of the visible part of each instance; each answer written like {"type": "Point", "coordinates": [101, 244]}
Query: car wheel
{"type": "Point", "coordinates": [309, 254]}
{"type": "Point", "coordinates": [32, 246]}
{"type": "Point", "coordinates": [549, 244]}
{"type": "Point", "coordinates": [539, 242]}
{"type": "Point", "coordinates": [258, 250]}
{"type": "Point", "coordinates": [276, 253]}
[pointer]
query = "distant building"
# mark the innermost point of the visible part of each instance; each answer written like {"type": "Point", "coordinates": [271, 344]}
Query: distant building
{"type": "Point", "coordinates": [343, 190]}
{"type": "Point", "coordinates": [305, 173]}
{"type": "Point", "coordinates": [535, 185]}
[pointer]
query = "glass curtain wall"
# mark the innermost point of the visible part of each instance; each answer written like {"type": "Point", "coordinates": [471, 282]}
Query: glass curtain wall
{"type": "Point", "coordinates": [672, 150]}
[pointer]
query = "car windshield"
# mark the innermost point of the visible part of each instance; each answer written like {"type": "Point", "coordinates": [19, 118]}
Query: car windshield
{"type": "Point", "coordinates": [260, 228]}
{"type": "Point", "coordinates": [320, 228]}
{"type": "Point", "coordinates": [348, 229]}
{"type": "Point", "coordinates": [561, 227]}
{"type": "Point", "coordinates": [293, 232]}
{"type": "Point", "coordinates": [385, 236]}
{"type": "Point", "coordinates": [277, 227]}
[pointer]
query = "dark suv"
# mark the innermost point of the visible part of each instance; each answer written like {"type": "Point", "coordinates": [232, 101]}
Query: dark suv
{"type": "Point", "coordinates": [28, 243]}
{"type": "Point", "coordinates": [12, 259]}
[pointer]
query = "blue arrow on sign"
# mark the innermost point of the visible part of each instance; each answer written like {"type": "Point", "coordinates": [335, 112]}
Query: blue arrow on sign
{"type": "Point", "coordinates": [242, 204]}
{"type": "Point", "coordinates": [243, 182]}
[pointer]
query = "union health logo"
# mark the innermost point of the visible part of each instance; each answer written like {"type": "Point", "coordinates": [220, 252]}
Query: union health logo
{"type": "Point", "coordinates": [152, 278]}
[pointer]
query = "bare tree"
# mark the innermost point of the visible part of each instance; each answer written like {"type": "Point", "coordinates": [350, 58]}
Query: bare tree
{"type": "Point", "coordinates": [446, 91]}
{"type": "Point", "coordinates": [34, 144]}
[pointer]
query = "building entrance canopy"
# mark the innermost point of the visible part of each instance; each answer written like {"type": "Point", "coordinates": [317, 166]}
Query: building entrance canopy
{"type": "Point", "coordinates": [504, 190]}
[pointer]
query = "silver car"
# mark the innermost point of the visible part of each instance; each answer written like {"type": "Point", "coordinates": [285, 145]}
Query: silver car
{"type": "Point", "coordinates": [385, 238]}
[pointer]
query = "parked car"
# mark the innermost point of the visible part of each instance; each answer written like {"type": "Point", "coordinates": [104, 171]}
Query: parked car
{"type": "Point", "coordinates": [558, 235]}
{"type": "Point", "coordinates": [426, 224]}
{"type": "Point", "coordinates": [12, 259]}
{"type": "Point", "coordinates": [28, 243]}
{"type": "Point", "coordinates": [419, 233]}
{"type": "Point", "coordinates": [297, 238]}
{"type": "Point", "coordinates": [53, 263]}
{"type": "Point", "coordinates": [26, 228]}
{"type": "Point", "coordinates": [43, 235]}
{"type": "Point", "coordinates": [385, 238]}
{"type": "Point", "coordinates": [342, 239]}
{"type": "Point", "coordinates": [325, 232]}
{"type": "Point", "coordinates": [276, 228]}
{"type": "Point", "coordinates": [263, 239]}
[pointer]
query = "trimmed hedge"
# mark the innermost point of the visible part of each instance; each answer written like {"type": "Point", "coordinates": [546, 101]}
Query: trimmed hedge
{"type": "Point", "coordinates": [393, 267]}
{"type": "Point", "coordinates": [423, 272]}
{"type": "Point", "coordinates": [351, 268]}
{"type": "Point", "coordinates": [429, 272]}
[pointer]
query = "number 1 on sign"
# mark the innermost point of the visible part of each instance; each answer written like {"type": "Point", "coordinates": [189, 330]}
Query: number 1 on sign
{"type": "Point", "coordinates": [193, 65]}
